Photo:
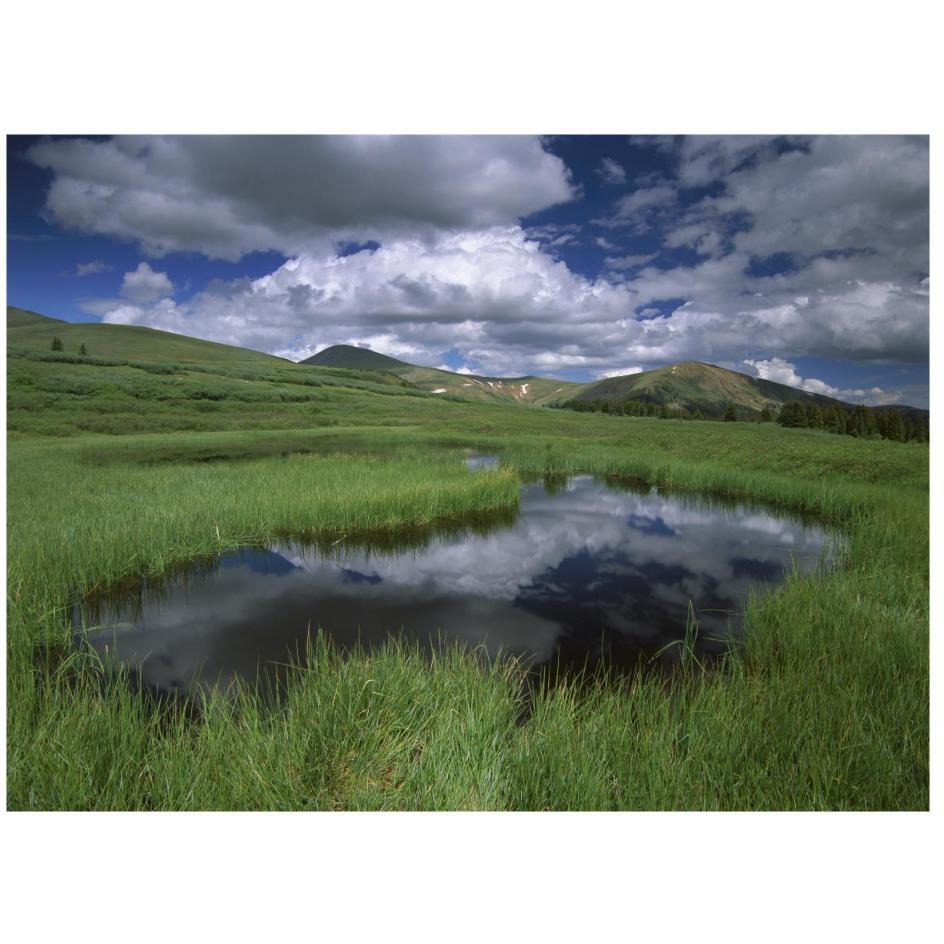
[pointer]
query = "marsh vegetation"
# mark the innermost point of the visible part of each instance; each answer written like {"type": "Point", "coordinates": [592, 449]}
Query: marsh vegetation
{"type": "Point", "coordinates": [823, 706]}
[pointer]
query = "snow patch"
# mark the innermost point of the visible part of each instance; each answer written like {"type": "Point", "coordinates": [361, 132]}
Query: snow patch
{"type": "Point", "coordinates": [440, 390]}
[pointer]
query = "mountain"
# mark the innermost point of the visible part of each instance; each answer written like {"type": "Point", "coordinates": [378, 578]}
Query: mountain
{"type": "Point", "coordinates": [30, 331]}
{"type": "Point", "coordinates": [693, 386]}
{"type": "Point", "coordinates": [345, 355]}
{"type": "Point", "coordinates": [532, 390]}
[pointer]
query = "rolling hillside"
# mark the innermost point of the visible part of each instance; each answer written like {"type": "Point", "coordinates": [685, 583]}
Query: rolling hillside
{"type": "Point", "coordinates": [690, 385]}
{"type": "Point", "coordinates": [531, 390]}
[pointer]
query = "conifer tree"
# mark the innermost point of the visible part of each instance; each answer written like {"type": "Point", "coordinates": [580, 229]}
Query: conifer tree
{"type": "Point", "coordinates": [56, 344]}
{"type": "Point", "coordinates": [893, 428]}
{"type": "Point", "coordinates": [730, 414]}
{"type": "Point", "coordinates": [792, 415]}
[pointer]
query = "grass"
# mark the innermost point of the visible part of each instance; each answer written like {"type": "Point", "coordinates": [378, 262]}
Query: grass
{"type": "Point", "coordinates": [825, 707]}
{"type": "Point", "coordinates": [30, 331]}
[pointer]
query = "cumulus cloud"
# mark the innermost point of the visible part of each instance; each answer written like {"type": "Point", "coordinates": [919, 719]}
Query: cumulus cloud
{"type": "Point", "coordinates": [144, 285]}
{"type": "Point", "coordinates": [91, 268]}
{"type": "Point", "coordinates": [781, 371]}
{"type": "Point", "coordinates": [225, 196]}
{"type": "Point", "coordinates": [493, 295]}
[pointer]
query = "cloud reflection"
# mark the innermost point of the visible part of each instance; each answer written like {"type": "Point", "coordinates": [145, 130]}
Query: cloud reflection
{"type": "Point", "coordinates": [581, 568]}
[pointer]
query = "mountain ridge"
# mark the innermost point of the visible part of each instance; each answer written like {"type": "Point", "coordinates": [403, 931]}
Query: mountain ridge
{"type": "Point", "coordinates": [695, 386]}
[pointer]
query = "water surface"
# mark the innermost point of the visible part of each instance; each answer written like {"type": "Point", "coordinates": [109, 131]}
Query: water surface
{"type": "Point", "coordinates": [586, 570]}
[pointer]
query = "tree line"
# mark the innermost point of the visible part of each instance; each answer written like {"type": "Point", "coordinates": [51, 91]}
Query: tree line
{"type": "Point", "coordinates": [857, 421]}
{"type": "Point", "coordinates": [632, 408]}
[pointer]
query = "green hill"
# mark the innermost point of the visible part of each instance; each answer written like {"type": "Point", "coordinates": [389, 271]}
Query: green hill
{"type": "Point", "coordinates": [531, 390]}
{"type": "Point", "coordinates": [29, 331]}
{"type": "Point", "coordinates": [695, 386]}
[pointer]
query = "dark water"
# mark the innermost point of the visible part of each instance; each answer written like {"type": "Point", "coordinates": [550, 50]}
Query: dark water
{"type": "Point", "coordinates": [585, 570]}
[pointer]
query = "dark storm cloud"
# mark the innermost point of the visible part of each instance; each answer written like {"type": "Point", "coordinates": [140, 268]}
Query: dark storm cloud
{"type": "Point", "coordinates": [226, 196]}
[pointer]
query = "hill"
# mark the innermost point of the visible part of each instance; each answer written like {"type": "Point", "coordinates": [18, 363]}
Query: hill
{"type": "Point", "coordinates": [528, 389]}
{"type": "Point", "coordinates": [30, 331]}
{"type": "Point", "coordinates": [694, 386]}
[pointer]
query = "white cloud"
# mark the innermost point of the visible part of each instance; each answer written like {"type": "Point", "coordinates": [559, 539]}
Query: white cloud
{"type": "Point", "coordinates": [781, 371]}
{"type": "Point", "coordinates": [849, 213]}
{"type": "Point", "coordinates": [91, 268]}
{"type": "Point", "coordinates": [618, 372]}
{"type": "Point", "coordinates": [552, 236]}
{"type": "Point", "coordinates": [611, 171]}
{"type": "Point", "coordinates": [493, 295]}
{"type": "Point", "coordinates": [143, 285]}
{"type": "Point", "coordinates": [630, 261]}
{"type": "Point", "coordinates": [629, 206]}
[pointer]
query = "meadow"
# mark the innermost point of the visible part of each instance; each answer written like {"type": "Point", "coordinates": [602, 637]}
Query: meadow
{"type": "Point", "coordinates": [126, 466]}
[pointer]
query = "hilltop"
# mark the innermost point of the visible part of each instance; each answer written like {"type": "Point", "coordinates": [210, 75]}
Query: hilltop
{"type": "Point", "coordinates": [705, 388]}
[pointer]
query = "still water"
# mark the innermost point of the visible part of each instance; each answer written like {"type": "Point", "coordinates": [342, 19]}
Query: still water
{"type": "Point", "coordinates": [586, 570]}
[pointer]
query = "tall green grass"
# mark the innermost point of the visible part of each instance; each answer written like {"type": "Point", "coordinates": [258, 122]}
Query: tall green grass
{"type": "Point", "coordinates": [824, 707]}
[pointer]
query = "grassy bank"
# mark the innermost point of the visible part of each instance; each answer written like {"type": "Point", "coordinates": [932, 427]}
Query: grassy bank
{"type": "Point", "coordinates": [826, 706]}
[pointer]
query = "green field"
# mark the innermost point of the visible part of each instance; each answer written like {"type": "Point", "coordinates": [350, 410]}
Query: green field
{"type": "Point", "coordinates": [825, 707]}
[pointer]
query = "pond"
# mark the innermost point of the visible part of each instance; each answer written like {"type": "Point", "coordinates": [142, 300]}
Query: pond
{"type": "Point", "coordinates": [586, 570]}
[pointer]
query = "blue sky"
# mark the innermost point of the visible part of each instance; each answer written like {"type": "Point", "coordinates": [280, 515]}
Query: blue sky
{"type": "Point", "coordinates": [801, 259]}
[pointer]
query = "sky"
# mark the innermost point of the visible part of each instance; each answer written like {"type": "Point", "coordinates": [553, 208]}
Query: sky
{"type": "Point", "coordinates": [803, 260]}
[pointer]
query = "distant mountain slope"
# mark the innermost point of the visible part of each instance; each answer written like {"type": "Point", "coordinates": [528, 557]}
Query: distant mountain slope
{"type": "Point", "coordinates": [532, 390]}
{"type": "Point", "coordinates": [27, 330]}
{"type": "Point", "coordinates": [346, 355]}
{"type": "Point", "coordinates": [695, 386]}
